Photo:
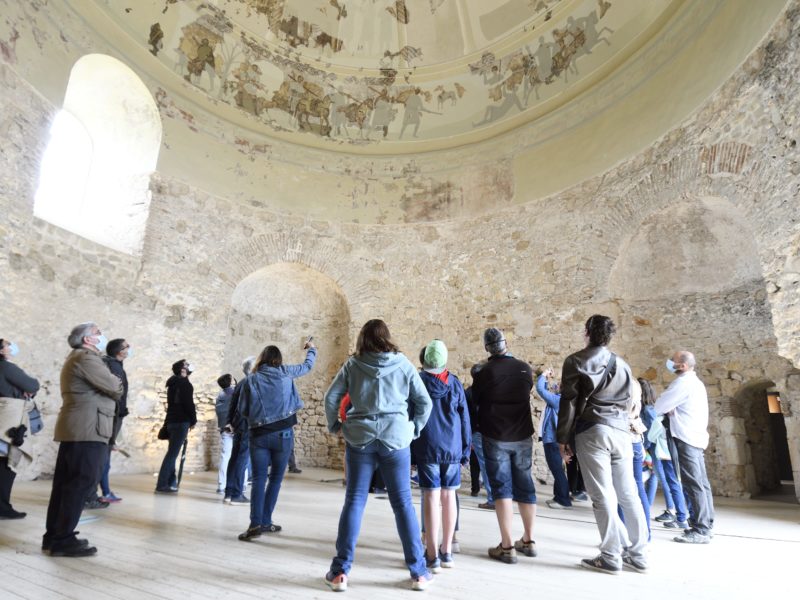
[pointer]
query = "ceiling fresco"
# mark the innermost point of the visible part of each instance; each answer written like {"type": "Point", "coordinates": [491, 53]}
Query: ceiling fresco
{"type": "Point", "coordinates": [367, 72]}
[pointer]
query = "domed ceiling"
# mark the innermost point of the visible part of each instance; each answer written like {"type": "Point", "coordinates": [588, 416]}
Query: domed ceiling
{"type": "Point", "coordinates": [392, 75]}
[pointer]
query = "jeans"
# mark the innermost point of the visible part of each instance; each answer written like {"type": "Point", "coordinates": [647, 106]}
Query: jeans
{"type": "Point", "coordinates": [606, 454]}
{"type": "Point", "coordinates": [638, 462]}
{"type": "Point", "coordinates": [556, 465]}
{"type": "Point", "coordinates": [434, 476]}
{"type": "Point", "coordinates": [673, 491]}
{"type": "Point", "coordinates": [696, 485]}
{"type": "Point", "coordinates": [237, 465]}
{"type": "Point", "coordinates": [225, 448]}
{"type": "Point", "coordinates": [177, 435]}
{"type": "Point", "coordinates": [394, 466]}
{"type": "Point", "coordinates": [477, 445]}
{"type": "Point", "coordinates": [78, 468]}
{"type": "Point", "coordinates": [271, 451]}
{"type": "Point", "coordinates": [105, 487]}
{"type": "Point", "coordinates": [509, 465]}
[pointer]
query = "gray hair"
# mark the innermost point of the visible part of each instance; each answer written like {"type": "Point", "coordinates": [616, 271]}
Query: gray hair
{"type": "Point", "coordinates": [247, 364]}
{"type": "Point", "coordinates": [75, 337]}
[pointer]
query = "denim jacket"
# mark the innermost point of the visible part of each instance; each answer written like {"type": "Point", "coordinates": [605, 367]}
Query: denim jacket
{"type": "Point", "coordinates": [389, 402]}
{"type": "Point", "coordinates": [550, 419]}
{"type": "Point", "coordinates": [269, 394]}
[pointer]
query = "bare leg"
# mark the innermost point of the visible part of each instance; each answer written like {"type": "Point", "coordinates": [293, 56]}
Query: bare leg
{"type": "Point", "coordinates": [449, 513]}
{"type": "Point", "coordinates": [504, 509]}
{"type": "Point", "coordinates": [430, 504]}
{"type": "Point", "coordinates": [528, 514]}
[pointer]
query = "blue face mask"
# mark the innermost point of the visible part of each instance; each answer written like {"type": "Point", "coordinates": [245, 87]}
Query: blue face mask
{"type": "Point", "coordinates": [671, 366]}
{"type": "Point", "coordinates": [130, 352]}
{"type": "Point", "coordinates": [13, 349]}
{"type": "Point", "coordinates": [102, 342]}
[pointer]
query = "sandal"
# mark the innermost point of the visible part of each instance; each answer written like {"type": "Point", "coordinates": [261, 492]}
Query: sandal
{"type": "Point", "coordinates": [272, 528]}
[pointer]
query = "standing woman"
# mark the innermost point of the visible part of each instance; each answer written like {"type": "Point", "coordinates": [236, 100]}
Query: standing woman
{"type": "Point", "coordinates": [181, 417]}
{"type": "Point", "coordinates": [389, 408]}
{"type": "Point", "coordinates": [268, 401]}
{"type": "Point", "coordinates": [15, 388]}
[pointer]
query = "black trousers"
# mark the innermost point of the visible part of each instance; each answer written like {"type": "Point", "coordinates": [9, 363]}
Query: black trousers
{"type": "Point", "coordinates": [574, 476]}
{"type": "Point", "coordinates": [474, 472]}
{"type": "Point", "coordinates": [6, 482]}
{"type": "Point", "coordinates": [78, 469]}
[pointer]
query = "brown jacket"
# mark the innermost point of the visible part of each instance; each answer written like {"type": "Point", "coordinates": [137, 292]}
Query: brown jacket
{"type": "Point", "coordinates": [89, 392]}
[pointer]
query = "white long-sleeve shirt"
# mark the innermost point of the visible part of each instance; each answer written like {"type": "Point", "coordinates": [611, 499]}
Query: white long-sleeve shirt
{"type": "Point", "coordinates": [686, 403]}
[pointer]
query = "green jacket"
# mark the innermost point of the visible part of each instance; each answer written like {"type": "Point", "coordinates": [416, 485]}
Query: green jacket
{"type": "Point", "coordinates": [90, 393]}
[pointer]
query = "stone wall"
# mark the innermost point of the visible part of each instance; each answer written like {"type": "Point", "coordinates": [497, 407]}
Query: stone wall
{"type": "Point", "coordinates": [536, 269]}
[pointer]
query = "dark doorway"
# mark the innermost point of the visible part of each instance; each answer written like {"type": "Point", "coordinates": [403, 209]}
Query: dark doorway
{"type": "Point", "coordinates": [778, 434]}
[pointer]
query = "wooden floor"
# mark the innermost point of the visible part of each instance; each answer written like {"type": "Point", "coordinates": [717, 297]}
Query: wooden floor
{"type": "Point", "coordinates": [185, 547]}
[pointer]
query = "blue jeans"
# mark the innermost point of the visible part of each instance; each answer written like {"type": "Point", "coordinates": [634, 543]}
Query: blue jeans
{"type": "Point", "coordinates": [671, 486]}
{"type": "Point", "coordinates": [271, 451]}
{"type": "Point", "coordinates": [638, 462]}
{"type": "Point", "coordinates": [166, 475]}
{"type": "Point", "coordinates": [237, 465]}
{"type": "Point", "coordinates": [433, 476]}
{"type": "Point", "coordinates": [509, 465]}
{"type": "Point", "coordinates": [556, 465]}
{"type": "Point", "coordinates": [477, 445]}
{"type": "Point", "coordinates": [394, 466]}
{"type": "Point", "coordinates": [105, 486]}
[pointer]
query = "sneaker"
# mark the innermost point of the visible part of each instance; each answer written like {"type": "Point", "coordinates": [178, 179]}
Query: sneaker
{"type": "Point", "coordinates": [111, 498]}
{"type": "Point", "coordinates": [166, 490]}
{"type": "Point", "coordinates": [251, 533]}
{"type": "Point", "coordinates": [240, 501]}
{"type": "Point", "coordinates": [434, 564]}
{"type": "Point", "coordinates": [226, 500]}
{"type": "Point", "coordinates": [665, 517]}
{"type": "Point", "coordinates": [455, 546]}
{"type": "Point", "coordinates": [422, 582]}
{"type": "Point", "coordinates": [676, 524]}
{"type": "Point", "coordinates": [506, 555]}
{"type": "Point", "coordinates": [487, 505]}
{"type": "Point", "coordinates": [692, 537]}
{"type": "Point", "coordinates": [295, 470]}
{"type": "Point", "coordinates": [527, 548]}
{"type": "Point", "coordinates": [446, 559]}
{"type": "Point", "coordinates": [271, 528]}
{"type": "Point", "coordinates": [579, 497]}
{"type": "Point", "coordinates": [96, 503]}
{"type": "Point", "coordinates": [598, 563]}
{"type": "Point", "coordinates": [636, 565]}
{"type": "Point", "coordinates": [556, 506]}
{"type": "Point", "coordinates": [338, 583]}
{"type": "Point", "coordinates": [220, 490]}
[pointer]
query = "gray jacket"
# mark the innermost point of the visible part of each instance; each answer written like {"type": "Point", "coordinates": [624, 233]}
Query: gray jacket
{"type": "Point", "coordinates": [581, 374]}
{"type": "Point", "coordinates": [89, 392]}
{"type": "Point", "coordinates": [14, 382]}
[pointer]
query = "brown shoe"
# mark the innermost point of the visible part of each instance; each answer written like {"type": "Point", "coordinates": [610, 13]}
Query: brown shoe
{"type": "Point", "coordinates": [487, 505]}
{"type": "Point", "coordinates": [506, 555]}
{"type": "Point", "coordinates": [527, 548]}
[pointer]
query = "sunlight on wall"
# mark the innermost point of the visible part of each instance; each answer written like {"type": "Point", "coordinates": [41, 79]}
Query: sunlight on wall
{"type": "Point", "coordinates": [104, 146]}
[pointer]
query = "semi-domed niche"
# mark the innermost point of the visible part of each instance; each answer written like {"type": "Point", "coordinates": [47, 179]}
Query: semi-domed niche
{"type": "Point", "coordinates": [281, 305]}
{"type": "Point", "coordinates": [691, 246]}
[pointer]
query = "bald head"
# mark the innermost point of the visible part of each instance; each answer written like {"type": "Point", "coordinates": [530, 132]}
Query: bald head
{"type": "Point", "coordinates": [684, 360]}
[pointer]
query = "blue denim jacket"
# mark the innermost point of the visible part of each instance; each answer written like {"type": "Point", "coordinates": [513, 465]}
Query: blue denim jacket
{"type": "Point", "coordinates": [385, 391]}
{"type": "Point", "coordinates": [269, 394]}
{"type": "Point", "coordinates": [550, 418]}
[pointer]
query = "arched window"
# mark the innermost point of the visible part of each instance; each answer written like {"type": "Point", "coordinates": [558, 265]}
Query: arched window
{"type": "Point", "coordinates": [104, 145]}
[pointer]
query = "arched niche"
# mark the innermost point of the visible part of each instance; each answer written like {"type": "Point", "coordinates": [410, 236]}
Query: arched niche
{"type": "Point", "coordinates": [282, 304]}
{"type": "Point", "coordinates": [704, 245]}
{"type": "Point", "coordinates": [103, 147]}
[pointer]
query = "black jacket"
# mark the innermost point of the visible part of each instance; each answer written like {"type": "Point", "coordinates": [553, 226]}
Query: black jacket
{"type": "Point", "coordinates": [581, 374]}
{"type": "Point", "coordinates": [502, 392]}
{"type": "Point", "coordinates": [180, 401]}
{"type": "Point", "coordinates": [115, 366]}
{"type": "Point", "coordinates": [14, 382]}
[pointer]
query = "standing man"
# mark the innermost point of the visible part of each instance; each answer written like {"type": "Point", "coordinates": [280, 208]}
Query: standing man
{"type": "Point", "coordinates": [89, 393]}
{"type": "Point", "coordinates": [181, 417]}
{"type": "Point", "coordinates": [685, 401]}
{"type": "Point", "coordinates": [240, 451]}
{"type": "Point", "coordinates": [502, 390]}
{"type": "Point", "coordinates": [596, 395]}
{"type": "Point", "coordinates": [552, 453]}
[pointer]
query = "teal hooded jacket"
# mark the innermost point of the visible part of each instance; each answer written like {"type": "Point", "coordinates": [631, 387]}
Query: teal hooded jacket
{"type": "Point", "coordinates": [388, 400]}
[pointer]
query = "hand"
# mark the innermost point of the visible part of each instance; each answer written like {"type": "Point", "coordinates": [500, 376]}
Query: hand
{"type": "Point", "coordinates": [309, 345]}
{"type": "Point", "coordinates": [228, 428]}
{"type": "Point", "coordinates": [548, 373]}
{"type": "Point", "coordinates": [566, 452]}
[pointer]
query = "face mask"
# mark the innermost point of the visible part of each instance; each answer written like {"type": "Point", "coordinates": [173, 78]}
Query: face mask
{"type": "Point", "coordinates": [13, 349]}
{"type": "Point", "coordinates": [130, 353]}
{"type": "Point", "coordinates": [102, 341]}
{"type": "Point", "coordinates": [671, 366]}
{"type": "Point", "coordinates": [190, 368]}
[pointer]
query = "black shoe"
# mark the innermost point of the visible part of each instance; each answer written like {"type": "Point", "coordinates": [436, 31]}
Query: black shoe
{"type": "Point", "coordinates": [579, 497]}
{"type": "Point", "coordinates": [47, 544]}
{"type": "Point", "coordinates": [13, 514]}
{"type": "Point", "coordinates": [96, 503]}
{"type": "Point", "coordinates": [166, 490]}
{"type": "Point", "coordinates": [272, 528]}
{"type": "Point", "coordinates": [474, 493]}
{"type": "Point", "coordinates": [665, 517]}
{"type": "Point", "coordinates": [251, 533]}
{"type": "Point", "coordinates": [75, 550]}
{"type": "Point", "coordinates": [295, 470]}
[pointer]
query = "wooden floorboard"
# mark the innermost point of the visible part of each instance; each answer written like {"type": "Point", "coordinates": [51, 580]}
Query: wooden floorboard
{"type": "Point", "coordinates": [185, 547]}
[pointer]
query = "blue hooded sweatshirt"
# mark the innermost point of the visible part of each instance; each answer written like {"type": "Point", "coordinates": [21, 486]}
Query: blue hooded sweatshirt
{"type": "Point", "coordinates": [447, 436]}
{"type": "Point", "coordinates": [385, 390]}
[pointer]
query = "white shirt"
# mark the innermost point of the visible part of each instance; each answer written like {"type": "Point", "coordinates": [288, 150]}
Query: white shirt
{"type": "Point", "coordinates": [686, 403]}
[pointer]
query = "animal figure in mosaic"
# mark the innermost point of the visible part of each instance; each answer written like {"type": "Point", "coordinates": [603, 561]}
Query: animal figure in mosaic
{"type": "Point", "coordinates": [156, 40]}
{"type": "Point", "coordinates": [569, 41]}
{"type": "Point", "coordinates": [313, 104]}
{"type": "Point", "coordinates": [407, 53]}
{"type": "Point", "coordinates": [324, 39]}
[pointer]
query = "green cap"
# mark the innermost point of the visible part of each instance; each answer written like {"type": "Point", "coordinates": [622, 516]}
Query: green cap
{"type": "Point", "coordinates": [436, 355]}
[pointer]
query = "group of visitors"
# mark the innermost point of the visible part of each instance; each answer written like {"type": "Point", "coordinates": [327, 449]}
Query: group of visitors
{"type": "Point", "coordinates": [392, 416]}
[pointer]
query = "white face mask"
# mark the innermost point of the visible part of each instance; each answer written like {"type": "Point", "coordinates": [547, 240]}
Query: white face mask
{"type": "Point", "coordinates": [102, 341]}
{"type": "Point", "coordinates": [671, 366]}
{"type": "Point", "coordinates": [190, 368]}
{"type": "Point", "coordinates": [130, 353]}
{"type": "Point", "coordinates": [13, 349]}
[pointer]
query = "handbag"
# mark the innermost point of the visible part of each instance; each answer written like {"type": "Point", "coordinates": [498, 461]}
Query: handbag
{"type": "Point", "coordinates": [163, 433]}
